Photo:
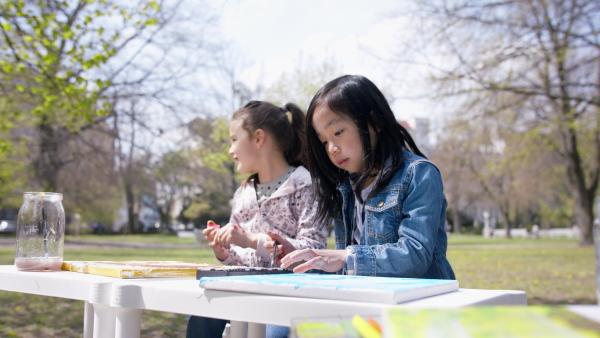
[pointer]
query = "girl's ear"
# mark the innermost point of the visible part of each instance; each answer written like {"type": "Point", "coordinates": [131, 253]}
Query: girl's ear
{"type": "Point", "coordinates": [259, 138]}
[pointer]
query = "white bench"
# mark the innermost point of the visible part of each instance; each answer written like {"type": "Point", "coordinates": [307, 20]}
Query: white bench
{"type": "Point", "coordinates": [514, 233]}
{"type": "Point", "coordinates": [559, 233]}
{"type": "Point", "coordinates": [185, 234]}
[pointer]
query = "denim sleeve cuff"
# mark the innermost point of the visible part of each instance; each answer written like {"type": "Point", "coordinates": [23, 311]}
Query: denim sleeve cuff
{"type": "Point", "coordinates": [350, 262]}
{"type": "Point", "coordinates": [261, 251]}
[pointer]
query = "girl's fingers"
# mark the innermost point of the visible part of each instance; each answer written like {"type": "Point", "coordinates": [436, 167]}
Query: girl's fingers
{"type": "Point", "coordinates": [216, 247]}
{"type": "Point", "coordinates": [209, 234]}
{"type": "Point", "coordinates": [270, 246]}
{"type": "Point", "coordinates": [225, 235]}
{"type": "Point", "coordinates": [220, 238]}
{"type": "Point", "coordinates": [315, 263]}
{"type": "Point", "coordinates": [276, 236]}
{"type": "Point", "coordinates": [301, 268]}
{"type": "Point", "coordinates": [297, 256]}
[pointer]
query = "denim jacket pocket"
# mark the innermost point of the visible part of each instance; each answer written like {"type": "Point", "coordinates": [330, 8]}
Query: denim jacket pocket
{"type": "Point", "coordinates": [383, 215]}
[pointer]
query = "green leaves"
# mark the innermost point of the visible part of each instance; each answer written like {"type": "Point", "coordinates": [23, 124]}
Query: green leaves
{"type": "Point", "coordinates": [6, 27]}
{"type": "Point", "coordinates": [55, 50]}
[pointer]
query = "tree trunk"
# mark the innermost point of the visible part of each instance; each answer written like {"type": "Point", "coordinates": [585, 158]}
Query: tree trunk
{"type": "Point", "coordinates": [585, 221]}
{"type": "Point", "coordinates": [505, 220]}
{"type": "Point", "coordinates": [48, 162]}
{"type": "Point", "coordinates": [584, 214]}
{"type": "Point", "coordinates": [131, 214]}
{"type": "Point", "coordinates": [165, 217]}
{"type": "Point", "coordinates": [456, 216]}
{"type": "Point", "coordinates": [584, 195]}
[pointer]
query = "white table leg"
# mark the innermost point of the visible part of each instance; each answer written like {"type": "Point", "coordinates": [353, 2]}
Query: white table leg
{"type": "Point", "coordinates": [256, 330]}
{"type": "Point", "coordinates": [239, 329]}
{"type": "Point", "coordinates": [128, 323]}
{"type": "Point", "coordinates": [104, 321]}
{"type": "Point", "coordinates": [88, 320]}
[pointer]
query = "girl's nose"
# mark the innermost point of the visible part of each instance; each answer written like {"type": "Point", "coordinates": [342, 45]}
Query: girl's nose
{"type": "Point", "coordinates": [333, 149]}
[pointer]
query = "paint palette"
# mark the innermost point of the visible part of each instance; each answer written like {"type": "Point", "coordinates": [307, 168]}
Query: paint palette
{"type": "Point", "coordinates": [224, 271]}
{"type": "Point", "coordinates": [145, 269]}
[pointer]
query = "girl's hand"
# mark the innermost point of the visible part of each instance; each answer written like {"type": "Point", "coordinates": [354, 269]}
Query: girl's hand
{"type": "Point", "coordinates": [283, 248]}
{"type": "Point", "coordinates": [326, 260]}
{"type": "Point", "coordinates": [211, 230]}
{"type": "Point", "coordinates": [233, 234]}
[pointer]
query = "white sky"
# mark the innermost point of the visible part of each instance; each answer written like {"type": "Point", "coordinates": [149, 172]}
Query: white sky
{"type": "Point", "coordinates": [273, 35]}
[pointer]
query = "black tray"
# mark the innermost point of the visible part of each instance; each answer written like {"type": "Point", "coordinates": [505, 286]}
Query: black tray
{"type": "Point", "coordinates": [241, 272]}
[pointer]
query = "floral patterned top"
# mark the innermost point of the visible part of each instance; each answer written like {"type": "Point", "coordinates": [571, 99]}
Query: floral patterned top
{"type": "Point", "coordinates": [290, 210]}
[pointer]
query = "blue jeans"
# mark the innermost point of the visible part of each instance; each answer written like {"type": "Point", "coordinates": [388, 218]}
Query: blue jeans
{"type": "Point", "coordinates": [202, 327]}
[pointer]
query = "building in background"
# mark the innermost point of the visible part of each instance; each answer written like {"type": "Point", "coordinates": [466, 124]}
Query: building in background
{"type": "Point", "coordinates": [419, 129]}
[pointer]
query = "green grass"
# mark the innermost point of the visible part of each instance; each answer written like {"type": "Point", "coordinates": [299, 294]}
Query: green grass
{"type": "Point", "coordinates": [146, 238]}
{"type": "Point", "coordinates": [137, 239]}
{"type": "Point", "coordinates": [558, 273]}
{"type": "Point", "coordinates": [456, 240]}
{"type": "Point", "coordinates": [550, 271]}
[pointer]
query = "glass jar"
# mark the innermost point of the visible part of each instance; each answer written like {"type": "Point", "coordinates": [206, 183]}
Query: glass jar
{"type": "Point", "coordinates": [40, 232]}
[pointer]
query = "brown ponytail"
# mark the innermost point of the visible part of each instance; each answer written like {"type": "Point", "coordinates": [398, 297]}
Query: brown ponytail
{"type": "Point", "coordinates": [288, 133]}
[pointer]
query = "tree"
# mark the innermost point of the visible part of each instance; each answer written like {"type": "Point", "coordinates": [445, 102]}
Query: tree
{"type": "Point", "coordinates": [88, 180]}
{"type": "Point", "coordinates": [51, 54]}
{"type": "Point", "coordinates": [119, 68]}
{"type": "Point", "coordinates": [540, 58]}
{"type": "Point", "coordinates": [155, 91]}
{"type": "Point", "coordinates": [459, 181]}
{"type": "Point", "coordinates": [215, 173]}
{"type": "Point", "coordinates": [301, 85]}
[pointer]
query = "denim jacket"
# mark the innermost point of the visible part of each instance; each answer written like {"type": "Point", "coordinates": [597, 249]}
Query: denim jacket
{"type": "Point", "coordinates": [403, 233]}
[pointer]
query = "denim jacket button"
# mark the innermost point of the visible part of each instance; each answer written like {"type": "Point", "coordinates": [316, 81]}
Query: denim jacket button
{"type": "Point", "coordinates": [380, 204]}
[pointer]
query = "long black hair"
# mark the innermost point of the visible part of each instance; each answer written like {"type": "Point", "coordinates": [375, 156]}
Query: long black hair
{"type": "Point", "coordinates": [355, 97]}
{"type": "Point", "coordinates": [284, 124]}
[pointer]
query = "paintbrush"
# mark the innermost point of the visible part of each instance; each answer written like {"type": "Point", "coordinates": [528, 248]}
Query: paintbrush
{"type": "Point", "coordinates": [274, 253]}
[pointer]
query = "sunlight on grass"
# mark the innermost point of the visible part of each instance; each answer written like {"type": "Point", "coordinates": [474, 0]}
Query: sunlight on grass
{"type": "Point", "coordinates": [480, 240]}
{"type": "Point", "coordinates": [137, 239]}
{"type": "Point", "coordinates": [549, 276]}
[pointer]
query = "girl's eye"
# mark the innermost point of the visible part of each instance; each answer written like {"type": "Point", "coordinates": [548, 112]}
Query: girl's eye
{"type": "Point", "coordinates": [339, 132]}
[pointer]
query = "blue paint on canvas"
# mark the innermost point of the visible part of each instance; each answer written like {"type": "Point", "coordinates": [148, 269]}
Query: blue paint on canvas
{"type": "Point", "coordinates": [336, 282]}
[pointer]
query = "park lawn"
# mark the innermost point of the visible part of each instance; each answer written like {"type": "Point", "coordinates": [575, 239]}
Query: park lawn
{"type": "Point", "coordinates": [136, 239]}
{"type": "Point", "coordinates": [559, 274]}
{"type": "Point", "coordinates": [550, 271]}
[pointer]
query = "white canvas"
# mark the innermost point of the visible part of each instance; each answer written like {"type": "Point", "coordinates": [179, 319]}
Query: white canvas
{"type": "Point", "coordinates": [388, 290]}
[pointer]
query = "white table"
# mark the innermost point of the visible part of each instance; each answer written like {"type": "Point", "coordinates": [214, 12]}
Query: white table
{"type": "Point", "coordinates": [591, 312]}
{"type": "Point", "coordinates": [113, 307]}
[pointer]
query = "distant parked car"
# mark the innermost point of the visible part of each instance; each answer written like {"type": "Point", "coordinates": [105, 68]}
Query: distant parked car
{"type": "Point", "coordinates": [175, 227]}
{"type": "Point", "coordinates": [148, 228]}
{"type": "Point", "coordinates": [8, 226]}
{"type": "Point", "coordinates": [98, 228]}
